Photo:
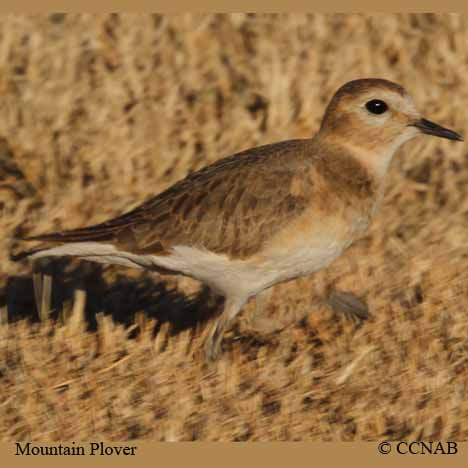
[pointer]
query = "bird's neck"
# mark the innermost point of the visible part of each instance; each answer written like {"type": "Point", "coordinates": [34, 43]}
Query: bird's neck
{"type": "Point", "coordinates": [375, 160]}
{"type": "Point", "coordinates": [346, 173]}
{"type": "Point", "coordinates": [353, 175]}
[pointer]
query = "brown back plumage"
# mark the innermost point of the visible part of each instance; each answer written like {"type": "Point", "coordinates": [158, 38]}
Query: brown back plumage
{"type": "Point", "coordinates": [229, 207]}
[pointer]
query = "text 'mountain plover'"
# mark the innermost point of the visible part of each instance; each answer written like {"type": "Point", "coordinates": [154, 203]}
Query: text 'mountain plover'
{"type": "Point", "coordinates": [265, 215]}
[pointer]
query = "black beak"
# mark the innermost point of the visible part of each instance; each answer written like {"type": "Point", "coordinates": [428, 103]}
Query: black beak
{"type": "Point", "coordinates": [430, 128]}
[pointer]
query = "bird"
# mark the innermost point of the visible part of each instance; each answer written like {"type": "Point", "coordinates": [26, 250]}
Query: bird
{"type": "Point", "coordinates": [265, 215]}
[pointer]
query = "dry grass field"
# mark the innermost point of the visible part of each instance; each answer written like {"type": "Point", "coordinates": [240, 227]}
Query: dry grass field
{"type": "Point", "coordinates": [99, 112]}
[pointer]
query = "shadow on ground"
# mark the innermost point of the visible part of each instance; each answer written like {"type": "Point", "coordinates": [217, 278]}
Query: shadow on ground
{"type": "Point", "coordinates": [122, 297]}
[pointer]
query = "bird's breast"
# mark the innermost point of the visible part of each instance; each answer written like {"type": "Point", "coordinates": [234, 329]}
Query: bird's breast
{"type": "Point", "coordinates": [313, 241]}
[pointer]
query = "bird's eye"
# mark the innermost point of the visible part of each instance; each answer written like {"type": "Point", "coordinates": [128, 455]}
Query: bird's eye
{"type": "Point", "coordinates": [376, 106]}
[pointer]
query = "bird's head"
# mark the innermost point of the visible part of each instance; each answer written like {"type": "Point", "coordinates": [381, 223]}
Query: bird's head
{"type": "Point", "coordinates": [375, 117]}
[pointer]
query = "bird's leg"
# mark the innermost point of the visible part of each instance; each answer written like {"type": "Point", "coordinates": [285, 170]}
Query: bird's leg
{"type": "Point", "coordinates": [232, 306]}
{"type": "Point", "coordinates": [258, 320]}
{"type": "Point", "coordinates": [261, 302]}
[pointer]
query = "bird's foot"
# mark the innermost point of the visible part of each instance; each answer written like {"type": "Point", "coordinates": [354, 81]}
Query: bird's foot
{"type": "Point", "coordinates": [351, 306]}
{"type": "Point", "coordinates": [211, 353]}
{"type": "Point", "coordinates": [212, 346]}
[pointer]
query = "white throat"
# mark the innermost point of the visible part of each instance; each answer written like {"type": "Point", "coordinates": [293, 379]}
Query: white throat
{"type": "Point", "coordinates": [379, 161]}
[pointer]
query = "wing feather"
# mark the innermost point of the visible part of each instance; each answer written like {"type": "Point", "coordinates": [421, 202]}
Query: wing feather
{"type": "Point", "coordinates": [230, 207]}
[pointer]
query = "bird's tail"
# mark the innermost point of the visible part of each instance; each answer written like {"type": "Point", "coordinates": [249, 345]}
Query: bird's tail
{"type": "Point", "coordinates": [17, 257]}
{"type": "Point", "coordinates": [89, 234]}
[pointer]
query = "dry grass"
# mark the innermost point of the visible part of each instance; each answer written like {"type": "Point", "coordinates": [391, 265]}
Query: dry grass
{"type": "Point", "coordinates": [98, 112]}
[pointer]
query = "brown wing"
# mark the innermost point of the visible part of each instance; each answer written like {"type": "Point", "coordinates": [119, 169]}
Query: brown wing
{"type": "Point", "coordinates": [229, 207]}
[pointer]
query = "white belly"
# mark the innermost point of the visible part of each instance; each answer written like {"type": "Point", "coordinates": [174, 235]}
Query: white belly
{"type": "Point", "coordinates": [302, 259]}
{"type": "Point", "coordinates": [249, 277]}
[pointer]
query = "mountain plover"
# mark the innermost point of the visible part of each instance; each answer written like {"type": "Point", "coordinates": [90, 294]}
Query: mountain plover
{"type": "Point", "coordinates": [265, 215]}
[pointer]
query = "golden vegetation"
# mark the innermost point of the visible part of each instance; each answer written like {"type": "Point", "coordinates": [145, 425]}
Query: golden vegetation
{"type": "Point", "coordinates": [99, 112]}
